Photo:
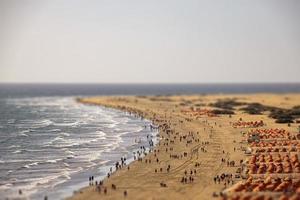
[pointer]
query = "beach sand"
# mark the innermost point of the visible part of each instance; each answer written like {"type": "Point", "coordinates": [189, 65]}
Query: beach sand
{"type": "Point", "coordinates": [211, 139]}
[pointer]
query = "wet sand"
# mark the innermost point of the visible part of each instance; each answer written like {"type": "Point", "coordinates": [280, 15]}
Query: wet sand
{"type": "Point", "coordinates": [199, 143]}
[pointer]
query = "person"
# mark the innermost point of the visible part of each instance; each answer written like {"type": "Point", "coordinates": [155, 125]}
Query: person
{"type": "Point", "coordinates": [98, 187]}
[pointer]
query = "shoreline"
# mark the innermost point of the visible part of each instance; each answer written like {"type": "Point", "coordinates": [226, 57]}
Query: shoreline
{"type": "Point", "coordinates": [153, 135]}
{"type": "Point", "coordinates": [208, 140]}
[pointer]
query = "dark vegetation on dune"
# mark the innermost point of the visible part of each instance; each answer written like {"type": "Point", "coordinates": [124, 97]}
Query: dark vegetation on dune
{"type": "Point", "coordinates": [227, 104]}
{"type": "Point", "coordinates": [256, 108]}
{"type": "Point", "coordinates": [285, 115]}
{"type": "Point", "coordinates": [222, 112]}
{"type": "Point", "coordinates": [281, 115]}
{"type": "Point", "coordinates": [161, 98]}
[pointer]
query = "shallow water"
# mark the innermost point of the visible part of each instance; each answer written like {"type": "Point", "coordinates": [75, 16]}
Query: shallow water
{"type": "Point", "coordinates": [51, 145]}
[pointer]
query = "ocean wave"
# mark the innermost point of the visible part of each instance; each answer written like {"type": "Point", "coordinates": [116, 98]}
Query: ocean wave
{"type": "Point", "coordinates": [26, 166]}
{"type": "Point", "coordinates": [53, 161]}
{"type": "Point", "coordinates": [51, 142]}
{"type": "Point", "coordinates": [72, 124]}
{"type": "Point", "coordinates": [138, 129]}
{"type": "Point", "coordinates": [61, 142]}
{"type": "Point", "coordinates": [33, 164]}
{"type": "Point", "coordinates": [35, 124]}
{"type": "Point", "coordinates": [6, 186]}
{"type": "Point", "coordinates": [113, 125]}
{"type": "Point", "coordinates": [52, 130]}
{"type": "Point", "coordinates": [25, 131]}
{"type": "Point", "coordinates": [13, 146]}
{"type": "Point", "coordinates": [66, 164]}
{"type": "Point", "coordinates": [31, 185]}
{"type": "Point", "coordinates": [20, 151]}
{"type": "Point", "coordinates": [23, 135]}
{"type": "Point", "coordinates": [58, 138]}
{"type": "Point", "coordinates": [11, 121]}
{"type": "Point", "coordinates": [30, 165]}
{"type": "Point", "coordinates": [19, 161]}
{"type": "Point", "coordinates": [64, 134]}
{"type": "Point", "coordinates": [69, 152]}
{"type": "Point", "coordinates": [17, 151]}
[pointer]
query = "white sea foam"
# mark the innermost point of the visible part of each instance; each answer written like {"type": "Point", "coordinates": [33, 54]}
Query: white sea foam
{"type": "Point", "coordinates": [52, 130]}
{"type": "Point", "coordinates": [65, 134]}
{"type": "Point", "coordinates": [35, 124]}
{"type": "Point", "coordinates": [51, 161]}
{"type": "Point", "coordinates": [17, 151]}
{"type": "Point", "coordinates": [26, 166]}
{"type": "Point", "coordinates": [13, 146]}
{"type": "Point", "coordinates": [6, 186]}
{"type": "Point", "coordinates": [11, 121]}
{"type": "Point", "coordinates": [66, 164]}
{"type": "Point", "coordinates": [66, 124]}
{"type": "Point", "coordinates": [25, 131]}
{"type": "Point", "coordinates": [69, 152]}
{"type": "Point", "coordinates": [58, 138]}
{"type": "Point", "coordinates": [33, 164]}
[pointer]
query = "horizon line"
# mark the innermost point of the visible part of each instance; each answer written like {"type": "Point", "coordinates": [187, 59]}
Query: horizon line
{"type": "Point", "coordinates": [145, 83]}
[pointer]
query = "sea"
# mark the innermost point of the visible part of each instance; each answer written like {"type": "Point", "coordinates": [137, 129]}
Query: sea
{"type": "Point", "coordinates": [50, 144]}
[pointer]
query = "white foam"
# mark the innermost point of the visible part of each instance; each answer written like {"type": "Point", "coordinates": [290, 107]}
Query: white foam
{"type": "Point", "coordinates": [33, 164]}
{"type": "Point", "coordinates": [11, 121]}
{"type": "Point", "coordinates": [53, 161]}
{"type": "Point", "coordinates": [53, 130]}
{"type": "Point", "coordinates": [28, 123]}
{"type": "Point", "coordinates": [6, 186]}
{"type": "Point", "coordinates": [66, 164]}
{"type": "Point", "coordinates": [58, 138]}
{"type": "Point", "coordinates": [17, 151]}
{"type": "Point", "coordinates": [13, 146]}
{"type": "Point", "coordinates": [25, 131]}
{"type": "Point", "coordinates": [64, 134]}
{"type": "Point", "coordinates": [23, 135]}
{"type": "Point", "coordinates": [67, 124]}
{"type": "Point", "coordinates": [69, 152]}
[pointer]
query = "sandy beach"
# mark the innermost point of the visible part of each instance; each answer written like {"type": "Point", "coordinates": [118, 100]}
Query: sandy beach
{"type": "Point", "coordinates": [197, 145]}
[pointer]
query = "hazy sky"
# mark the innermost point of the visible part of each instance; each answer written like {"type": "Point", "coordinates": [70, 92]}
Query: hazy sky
{"type": "Point", "coordinates": [149, 41]}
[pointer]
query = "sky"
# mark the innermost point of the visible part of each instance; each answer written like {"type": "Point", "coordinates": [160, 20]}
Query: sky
{"type": "Point", "coordinates": [142, 41]}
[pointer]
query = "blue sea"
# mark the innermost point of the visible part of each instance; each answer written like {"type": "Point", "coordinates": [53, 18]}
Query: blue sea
{"type": "Point", "coordinates": [50, 144]}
